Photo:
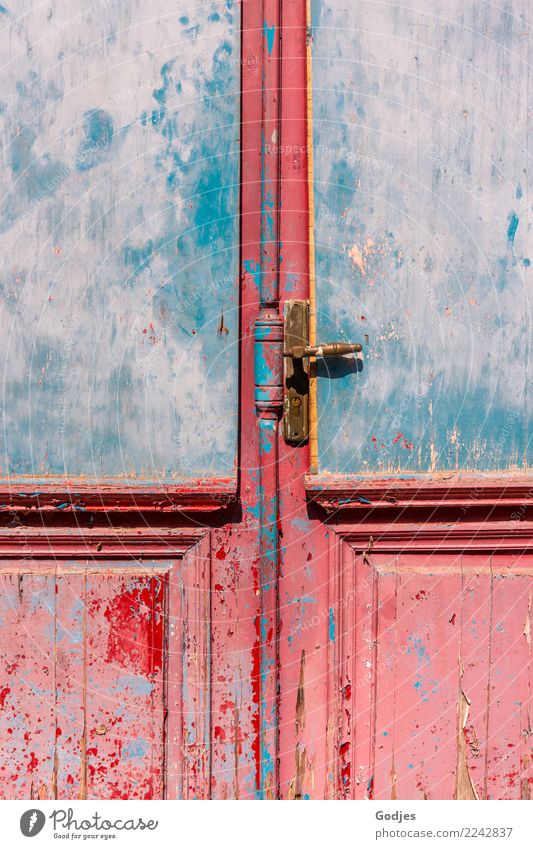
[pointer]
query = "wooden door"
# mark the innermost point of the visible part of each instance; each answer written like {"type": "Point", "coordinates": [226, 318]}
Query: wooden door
{"type": "Point", "coordinates": [119, 233]}
{"type": "Point", "coordinates": [422, 450]}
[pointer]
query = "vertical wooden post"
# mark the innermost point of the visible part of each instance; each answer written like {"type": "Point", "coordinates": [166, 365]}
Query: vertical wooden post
{"type": "Point", "coordinates": [268, 366]}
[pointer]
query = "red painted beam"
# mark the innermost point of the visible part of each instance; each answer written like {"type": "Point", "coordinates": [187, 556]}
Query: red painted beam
{"type": "Point", "coordinates": [202, 495]}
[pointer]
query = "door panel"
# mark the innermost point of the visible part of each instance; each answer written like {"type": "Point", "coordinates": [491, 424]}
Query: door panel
{"type": "Point", "coordinates": [119, 235]}
{"type": "Point", "coordinates": [422, 236]}
{"type": "Point", "coordinates": [125, 687]}
{"type": "Point", "coordinates": [82, 660]}
{"type": "Point", "coordinates": [92, 697]}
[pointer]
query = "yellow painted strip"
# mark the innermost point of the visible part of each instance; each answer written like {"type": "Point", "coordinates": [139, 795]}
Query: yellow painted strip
{"type": "Point", "coordinates": [313, 423]}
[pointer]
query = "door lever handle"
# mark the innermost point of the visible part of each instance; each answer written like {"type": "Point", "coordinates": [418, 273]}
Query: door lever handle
{"type": "Point", "coordinates": [328, 349]}
{"type": "Point", "coordinates": [296, 353]}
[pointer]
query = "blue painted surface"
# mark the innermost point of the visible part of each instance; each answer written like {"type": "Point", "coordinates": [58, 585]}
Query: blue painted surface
{"type": "Point", "coordinates": [270, 32]}
{"type": "Point", "coordinates": [422, 230]}
{"type": "Point", "coordinates": [331, 624]}
{"type": "Point", "coordinates": [119, 239]}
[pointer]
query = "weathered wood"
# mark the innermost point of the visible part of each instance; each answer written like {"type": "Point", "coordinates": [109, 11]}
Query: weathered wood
{"type": "Point", "coordinates": [119, 239]}
{"type": "Point", "coordinates": [105, 680]}
{"type": "Point", "coordinates": [421, 184]}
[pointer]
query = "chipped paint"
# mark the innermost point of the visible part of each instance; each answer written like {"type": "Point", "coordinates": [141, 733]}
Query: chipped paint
{"type": "Point", "coordinates": [527, 623]}
{"type": "Point", "coordinates": [464, 786]}
{"type": "Point", "coordinates": [206, 676]}
{"type": "Point", "coordinates": [300, 697]}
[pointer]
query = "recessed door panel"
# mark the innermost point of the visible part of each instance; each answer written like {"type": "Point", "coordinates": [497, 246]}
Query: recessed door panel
{"type": "Point", "coordinates": [86, 707]}
{"type": "Point", "coordinates": [433, 666]}
{"type": "Point", "coordinates": [119, 133]}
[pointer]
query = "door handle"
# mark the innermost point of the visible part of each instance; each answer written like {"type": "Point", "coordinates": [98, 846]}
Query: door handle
{"type": "Point", "coordinates": [296, 353]}
{"type": "Point", "coordinates": [327, 349]}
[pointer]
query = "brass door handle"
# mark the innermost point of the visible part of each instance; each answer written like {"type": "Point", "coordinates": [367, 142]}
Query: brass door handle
{"type": "Point", "coordinates": [296, 353]}
{"type": "Point", "coordinates": [328, 349]}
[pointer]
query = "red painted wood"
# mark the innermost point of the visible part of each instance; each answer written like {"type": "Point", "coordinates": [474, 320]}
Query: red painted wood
{"type": "Point", "coordinates": [69, 664]}
{"type": "Point", "coordinates": [303, 582]}
{"type": "Point", "coordinates": [472, 614]}
{"type": "Point", "coordinates": [199, 496]}
{"type": "Point", "coordinates": [65, 543]}
{"type": "Point", "coordinates": [268, 369]}
{"type": "Point", "coordinates": [27, 694]}
{"type": "Point", "coordinates": [88, 668]}
{"type": "Point", "coordinates": [426, 649]}
{"type": "Point", "coordinates": [188, 675]}
{"type": "Point", "coordinates": [123, 687]}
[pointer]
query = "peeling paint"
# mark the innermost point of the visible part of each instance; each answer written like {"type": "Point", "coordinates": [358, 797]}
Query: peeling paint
{"type": "Point", "coordinates": [464, 786]}
{"type": "Point", "coordinates": [121, 203]}
{"type": "Point", "coordinates": [300, 697]}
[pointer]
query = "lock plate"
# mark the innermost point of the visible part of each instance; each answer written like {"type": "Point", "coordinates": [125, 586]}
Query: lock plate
{"type": "Point", "coordinates": [296, 374]}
